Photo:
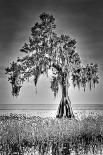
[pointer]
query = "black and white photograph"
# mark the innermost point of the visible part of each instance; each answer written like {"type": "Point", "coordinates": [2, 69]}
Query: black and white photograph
{"type": "Point", "coordinates": [51, 77]}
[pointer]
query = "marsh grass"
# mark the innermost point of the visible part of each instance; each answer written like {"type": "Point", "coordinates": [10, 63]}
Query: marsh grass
{"type": "Point", "coordinates": [20, 133]}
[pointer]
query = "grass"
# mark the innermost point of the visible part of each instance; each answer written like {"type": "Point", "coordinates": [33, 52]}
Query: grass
{"type": "Point", "coordinates": [19, 133]}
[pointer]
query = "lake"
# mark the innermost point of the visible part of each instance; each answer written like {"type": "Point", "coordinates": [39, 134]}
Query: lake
{"type": "Point", "coordinates": [50, 110]}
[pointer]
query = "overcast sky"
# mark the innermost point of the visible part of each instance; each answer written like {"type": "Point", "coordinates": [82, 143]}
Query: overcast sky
{"type": "Point", "coordinates": [81, 19]}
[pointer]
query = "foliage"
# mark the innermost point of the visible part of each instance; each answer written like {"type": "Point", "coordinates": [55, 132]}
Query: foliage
{"type": "Point", "coordinates": [85, 75]}
{"type": "Point", "coordinates": [34, 131]}
{"type": "Point", "coordinates": [46, 50]}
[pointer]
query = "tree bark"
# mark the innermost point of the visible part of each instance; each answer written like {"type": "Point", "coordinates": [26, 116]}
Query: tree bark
{"type": "Point", "coordinates": [65, 109]}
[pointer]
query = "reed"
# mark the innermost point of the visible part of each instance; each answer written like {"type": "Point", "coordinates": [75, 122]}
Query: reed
{"type": "Point", "coordinates": [20, 133]}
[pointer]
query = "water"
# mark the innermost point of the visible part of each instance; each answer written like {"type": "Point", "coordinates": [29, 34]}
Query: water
{"type": "Point", "coordinates": [50, 110]}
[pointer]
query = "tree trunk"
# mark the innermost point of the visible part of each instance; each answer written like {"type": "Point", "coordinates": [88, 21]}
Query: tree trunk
{"type": "Point", "coordinates": [65, 109]}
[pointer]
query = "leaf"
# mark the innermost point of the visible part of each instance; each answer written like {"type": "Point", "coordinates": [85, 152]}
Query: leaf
{"type": "Point", "coordinates": [37, 73]}
{"type": "Point", "coordinates": [54, 85]}
{"type": "Point", "coordinates": [45, 50]}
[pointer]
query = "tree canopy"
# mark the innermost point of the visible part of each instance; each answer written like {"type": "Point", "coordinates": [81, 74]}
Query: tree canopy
{"type": "Point", "coordinates": [46, 50]}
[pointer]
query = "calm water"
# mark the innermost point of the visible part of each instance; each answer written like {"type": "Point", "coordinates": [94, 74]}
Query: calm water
{"type": "Point", "coordinates": [50, 110]}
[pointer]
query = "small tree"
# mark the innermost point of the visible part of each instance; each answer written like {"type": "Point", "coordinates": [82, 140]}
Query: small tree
{"type": "Point", "coordinates": [46, 50]}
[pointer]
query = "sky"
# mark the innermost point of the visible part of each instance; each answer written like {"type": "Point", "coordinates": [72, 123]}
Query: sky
{"type": "Point", "coordinates": [81, 19]}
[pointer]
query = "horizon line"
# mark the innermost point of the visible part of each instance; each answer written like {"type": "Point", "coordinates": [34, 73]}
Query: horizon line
{"type": "Point", "coordinates": [49, 106]}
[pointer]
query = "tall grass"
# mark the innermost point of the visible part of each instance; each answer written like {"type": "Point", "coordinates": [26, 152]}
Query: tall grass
{"type": "Point", "coordinates": [19, 133]}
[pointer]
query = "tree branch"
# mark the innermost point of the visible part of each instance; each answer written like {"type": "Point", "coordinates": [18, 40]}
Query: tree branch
{"type": "Point", "coordinates": [57, 67]}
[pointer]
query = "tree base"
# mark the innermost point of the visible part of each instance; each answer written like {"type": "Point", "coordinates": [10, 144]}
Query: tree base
{"type": "Point", "coordinates": [65, 109]}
